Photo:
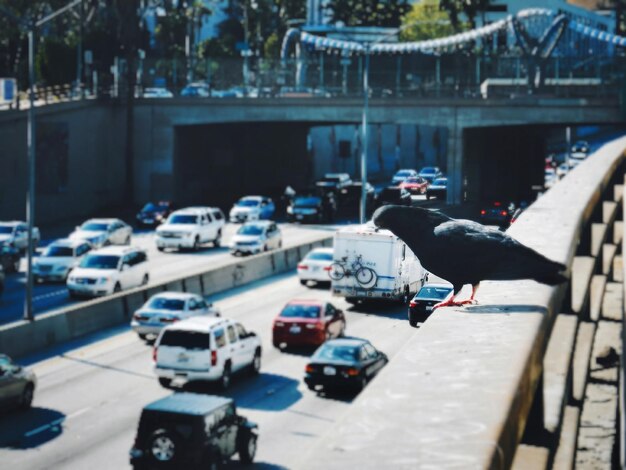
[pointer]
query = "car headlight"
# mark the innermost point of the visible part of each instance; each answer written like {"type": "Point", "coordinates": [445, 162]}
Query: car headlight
{"type": "Point", "coordinates": [289, 210]}
{"type": "Point", "coordinates": [60, 268]}
{"type": "Point", "coordinates": [103, 280]}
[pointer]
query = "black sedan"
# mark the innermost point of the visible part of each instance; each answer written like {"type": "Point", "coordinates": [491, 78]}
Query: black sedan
{"type": "Point", "coordinates": [9, 258]}
{"type": "Point", "coordinates": [438, 189]}
{"type": "Point", "coordinates": [311, 209]}
{"type": "Point", "coordinates": [394, 195]}
{"type": "Point", "coordinates": [496, 213]}
{"type": "Point", "coordinates": [344, 364]}
{"type": "Point", "coordinates": [422, 304]}
{"type": "Point", "coordinates": [152, 214]}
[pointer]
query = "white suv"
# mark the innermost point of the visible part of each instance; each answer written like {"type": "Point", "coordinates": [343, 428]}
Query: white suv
{"type": "Point", "coordinates": [108, 270]}
{"type": "Point", "coordinates": [190, 228]}
{"type": "Point", "coordinates": [205, 348]}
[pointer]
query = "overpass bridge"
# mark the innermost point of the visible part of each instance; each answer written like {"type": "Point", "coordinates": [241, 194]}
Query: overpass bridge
{"type": "Point", "coordinates": [214, 149]}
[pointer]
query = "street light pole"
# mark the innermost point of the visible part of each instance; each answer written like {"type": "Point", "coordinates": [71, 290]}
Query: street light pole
{"type": "Point", "coordinates": [366, 73]}
{"type": "Point", "coordinates": [30, 197]}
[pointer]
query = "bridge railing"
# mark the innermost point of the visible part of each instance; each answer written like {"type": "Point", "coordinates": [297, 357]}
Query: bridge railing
{"type": "Point", "coordinates": [528, 377]}
{"type": "Point", "coordinates": [459, 76]}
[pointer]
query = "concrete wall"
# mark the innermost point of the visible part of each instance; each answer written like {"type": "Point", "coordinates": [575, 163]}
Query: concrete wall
{"type": "Point", "coordinates": [81, 143]}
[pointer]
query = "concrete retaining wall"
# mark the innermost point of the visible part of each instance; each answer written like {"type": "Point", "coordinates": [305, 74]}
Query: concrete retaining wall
{"type": "Point", "coordinates": [21, 338]}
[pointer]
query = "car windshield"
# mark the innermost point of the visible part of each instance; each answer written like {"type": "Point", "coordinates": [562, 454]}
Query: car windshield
{"type": "Point", "coordinates": [250, 229]}
{"type": "Point", "coordinates": [100, 262]}
{"type": "Point", "coordinates": [94, 227]}
{"type": "Point", "coordinates": [331, 179]}
{"type": "Point", "coordinates": [150, 207]}
{"type": "Point", "coordinates": [305, 202]}
{"type": "Point", "coordinates": [60, 251]}
{"type": "Point", "coordinates": [428, 170]}
{"type": "Point", "coordinates": [440, 182]}
{"type": "Point", "coordinates": [6, 229]}
{"type": "Point", "coordinates": [185, 339]}
{"type": "Point", "coordinates": [433, 292]}
{"type": "Point", "coordinates": [248, 202]}
{"type": "Point", "coordinates": [340, 352]}
{"type": "Point", "coordinates": [182, 219]}
{"type": "Point", "coordinates": [301, 311]}
{"type": "Point", "coordinates": [320, 256]}
{"type": "Point", "coordinates": [165, 303]}
{"type": "Point", "coordinates": [403, 173]}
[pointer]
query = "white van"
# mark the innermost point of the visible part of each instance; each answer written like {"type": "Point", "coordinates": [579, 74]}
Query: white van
{"type": "Point", "coordinates": [205, 348]}
{"type": "Point", "coordinates": [369, 263]}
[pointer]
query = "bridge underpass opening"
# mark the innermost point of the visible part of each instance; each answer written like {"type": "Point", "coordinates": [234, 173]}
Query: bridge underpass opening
{"type": "Point", "coordinates": [503, 163]}
{"type": "Point", "coordinates": [215, 164]}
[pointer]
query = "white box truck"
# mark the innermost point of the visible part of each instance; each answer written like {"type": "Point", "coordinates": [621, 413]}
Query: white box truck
{"type": "Point", "coordinates": [369, 263]}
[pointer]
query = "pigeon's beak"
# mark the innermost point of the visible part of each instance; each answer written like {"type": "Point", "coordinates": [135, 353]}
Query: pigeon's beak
{"type": "Point", "coordinates": [379, 218]}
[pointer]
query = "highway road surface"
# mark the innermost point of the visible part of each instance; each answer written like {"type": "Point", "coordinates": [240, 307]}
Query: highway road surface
{"type": "Point", "coordinates": [163, 265]}
{"type": "Point", "coordinates": [88, 400]}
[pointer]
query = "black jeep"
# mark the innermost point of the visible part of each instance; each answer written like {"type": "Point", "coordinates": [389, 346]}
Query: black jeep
{"type": "Point", "coordinates": [189, 430]}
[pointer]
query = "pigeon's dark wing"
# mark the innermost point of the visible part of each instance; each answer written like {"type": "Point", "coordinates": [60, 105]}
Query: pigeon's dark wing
{"type": "Point", "coordinates": [491, 254]}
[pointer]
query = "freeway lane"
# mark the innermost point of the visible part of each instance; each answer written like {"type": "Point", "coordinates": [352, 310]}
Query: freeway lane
{"type": "Point", "coordinates": [88, 400]}
{"type": "Point", "coordinates": [163, 265]}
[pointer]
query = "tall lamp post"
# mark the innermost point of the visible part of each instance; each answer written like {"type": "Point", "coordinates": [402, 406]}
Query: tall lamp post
{"type": "Point", "coordinates": [32, 26]}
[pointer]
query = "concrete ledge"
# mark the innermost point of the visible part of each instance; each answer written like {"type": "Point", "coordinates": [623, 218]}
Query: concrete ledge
{"type": "Point", "coordinates": [21, 338]}
{"type": "Point", "coordinates": [459, 393]}
{"type": "Point", "coordinates": [557, 377]}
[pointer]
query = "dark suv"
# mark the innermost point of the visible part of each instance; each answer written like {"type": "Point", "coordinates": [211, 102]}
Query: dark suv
{"type": "Point", "coordinates": [189, 430]}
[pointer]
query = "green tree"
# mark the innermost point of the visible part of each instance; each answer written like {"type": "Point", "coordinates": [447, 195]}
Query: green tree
{"type": "Point", "coordinates": [469, 9]}
{"type": "Point", "coordinates": [369, 12]}
{"type": "Point", "coordinates": [426, 20]}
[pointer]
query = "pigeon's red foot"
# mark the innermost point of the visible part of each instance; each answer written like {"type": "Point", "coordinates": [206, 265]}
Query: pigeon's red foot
{"type": "Point", "coordinates": [454, 303]}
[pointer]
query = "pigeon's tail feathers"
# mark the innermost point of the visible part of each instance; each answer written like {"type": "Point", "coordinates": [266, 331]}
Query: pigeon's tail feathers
{"type": "Point", "coordinates": [551, 274]}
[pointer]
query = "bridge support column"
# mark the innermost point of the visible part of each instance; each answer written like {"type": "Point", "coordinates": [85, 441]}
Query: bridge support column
{"type": "Point", "coordinates": [455, 162]}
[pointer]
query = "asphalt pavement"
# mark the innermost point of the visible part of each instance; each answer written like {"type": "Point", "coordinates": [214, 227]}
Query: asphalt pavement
{"type": "Point", "coordinates": [89, 398]}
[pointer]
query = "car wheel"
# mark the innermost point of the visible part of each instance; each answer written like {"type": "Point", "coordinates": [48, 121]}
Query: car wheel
{"type": "Point", "coordinates": [362, 383]}
{"type": "Point", "coordinates": [117, 287]}
{"type": "Point", "coordinates": [165, 383]}
{"type": "Point", "coordinates": [160, 248]}
{"type": "Point", "coordinates": [145, 280]}
{"type": "Point", "coordinates": [225, 379]}
{"type": "Point", "coordinates": [255, 367]}
{"type": "Point", "coordinates": [218, 241]}
{"type": "Point", "coordinates": [27, 397]}
{"type": "Point", "coordinates": [127, 240]}
{"type": "Point", "coordinates": [163, 447]}
{"type": "Point", "coordinates": [196, 244]}
{"type": "Point", "coordinates": [247, 448]}
{"type": "Point", "coordinates": [73, 295]}
{"type": "Point", "coordinates": [303, 282]}
{"type": "Point", "coordinates": [142, 336]}
{"type": "Point", "coordinates": [412, 320]}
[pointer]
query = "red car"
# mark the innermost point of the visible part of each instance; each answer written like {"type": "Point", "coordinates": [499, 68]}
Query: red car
{"type": "Point", "coordinates": [307, 323]}
{"type": "Point", "coordinates": [415, 185]}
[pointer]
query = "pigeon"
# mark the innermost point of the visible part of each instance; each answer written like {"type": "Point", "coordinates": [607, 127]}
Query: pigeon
{"type": "Point", "coordinates": [465, 252]}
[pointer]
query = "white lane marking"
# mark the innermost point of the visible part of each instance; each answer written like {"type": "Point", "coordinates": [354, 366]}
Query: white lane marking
{"type": "Point", "coordinates": [45, 427]}
{"type": "Point", "coordinates": [49, 295]}
{"type": "Point", "coordinates": [56, 422]}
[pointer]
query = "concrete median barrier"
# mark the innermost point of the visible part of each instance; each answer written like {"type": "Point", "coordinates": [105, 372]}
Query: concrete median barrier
{"type": "Point", "coordinates": [21, 338]}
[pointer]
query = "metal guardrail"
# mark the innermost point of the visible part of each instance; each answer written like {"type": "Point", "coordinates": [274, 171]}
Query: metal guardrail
{"type": "Point", "coordinates": [475, 386]}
